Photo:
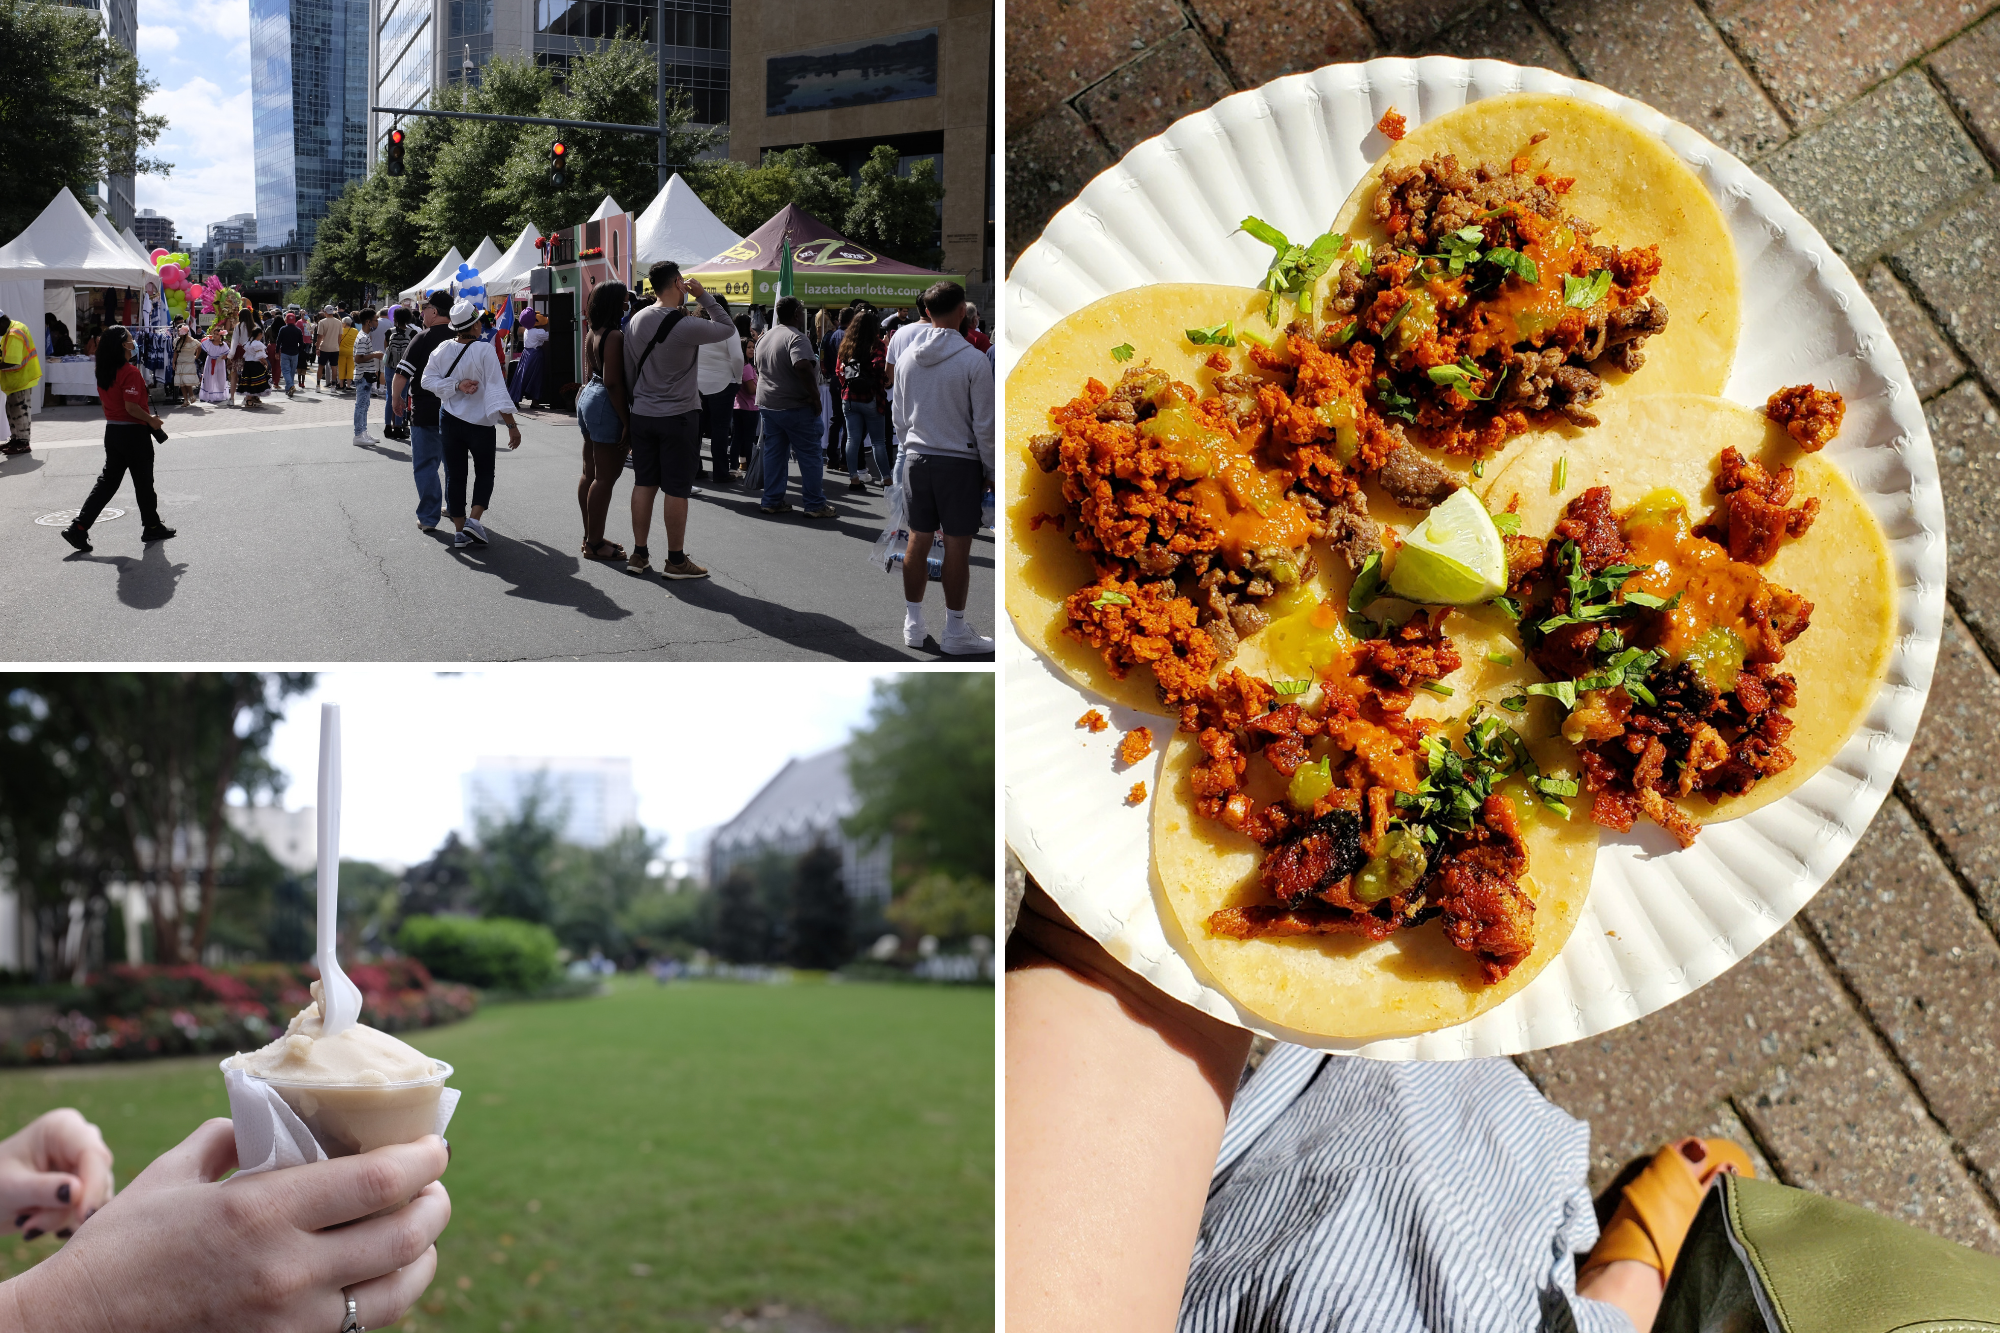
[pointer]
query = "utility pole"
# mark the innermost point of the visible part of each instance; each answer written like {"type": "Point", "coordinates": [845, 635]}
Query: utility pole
{"type": "Point", "coordinates": [660, 51]}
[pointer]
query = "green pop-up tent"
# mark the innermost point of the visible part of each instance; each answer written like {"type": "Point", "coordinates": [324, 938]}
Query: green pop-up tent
{"type": "Point", "coordinates": [827, 268]}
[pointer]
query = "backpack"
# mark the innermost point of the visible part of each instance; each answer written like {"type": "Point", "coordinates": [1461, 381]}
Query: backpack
{"type": "Point", "coordinates": [858, 381]}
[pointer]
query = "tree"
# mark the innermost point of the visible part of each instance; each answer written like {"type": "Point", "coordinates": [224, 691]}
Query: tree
{"type": "Point", "coordinates": [923, 772]}
{"type": "Point", "coordinates": [71, 101]}
{"type": "Point", "coordinates": [818, 934]}
{"type": "Point", "coordinates": [897, 214]}
{"type": "Point", "coordinates": [597, 886]}
{"type": "Point", "coordinates": [951, 907]}
{"type": "Point", "coordinates": [741, 927]}
{"type": "Point", "coordinates": [513, 875]}
{"type": "Point", "coordinates": [747, 197]}
{"type": "Point", "coordinates": [57, 835]}
{"type": "Point", "coordinates": [161, 751]}
{"type": "Point", "coordinates": [336, 269]}
{"type": "Point", "coordinates": [235, 273]}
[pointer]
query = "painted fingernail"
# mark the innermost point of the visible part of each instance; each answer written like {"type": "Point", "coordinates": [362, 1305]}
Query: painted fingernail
{"type": "Point", "coordinates": [32, 1234]}
{"type": "Point", "coordinates": [65, 1233]}
{"type": "Point", "coordinates": [447, 1150]}
{"type": "Point", "coordinates": [62, 1193]}
{"type": "Point", "coordinates": [22, 1220]}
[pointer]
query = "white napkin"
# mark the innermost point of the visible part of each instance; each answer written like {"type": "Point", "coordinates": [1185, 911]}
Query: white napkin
{"type": "Point", "coordinates": [270, 1135]}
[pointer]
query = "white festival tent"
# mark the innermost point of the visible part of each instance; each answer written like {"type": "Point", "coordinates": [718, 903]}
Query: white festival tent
{"type": "Point", "coordinates": [678, 227]}
{"type": "Point", "coordinates": [608, 209]}
{"type": "Point", "coordinates": [437, 277]}
{"type": "Point", "coordinates": [61, 250]}
{"type": "Point", "coordinates": [482, 258]}
{"type": "Point", "coordinates": [509, 273]}
{"type": "Point", "coordinates": [132, 239]}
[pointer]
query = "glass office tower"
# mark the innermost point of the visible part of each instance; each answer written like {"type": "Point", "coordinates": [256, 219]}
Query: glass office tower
{"type": "Point", "coordinates": [309, 107]}
{"type": "Point", "coordinates": [405, 37]}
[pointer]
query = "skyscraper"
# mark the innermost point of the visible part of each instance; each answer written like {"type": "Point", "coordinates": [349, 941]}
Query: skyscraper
{"type": "Point", "coordinates": [405, 59]}
{"type": "Point", "coordinates": [594, 795]}
{"type": "Point", "coordinates": [309, 107]}
{"type": "Point", "coordinates": [120, 21]}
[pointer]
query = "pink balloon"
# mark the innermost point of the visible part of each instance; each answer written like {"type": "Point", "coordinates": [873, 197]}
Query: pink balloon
{"type": "Point", "coordinates": [155, 255]}
{"type": "Point", "coordinates": [171, 275]}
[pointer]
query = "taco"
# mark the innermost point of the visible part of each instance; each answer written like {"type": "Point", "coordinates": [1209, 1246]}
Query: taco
{"type": "Point", "coordinates": [1591, 254]}
{"type": "Point", "coordinates": [1710, 606]}
{"type": "Point", "coordinates": [1367, 857]}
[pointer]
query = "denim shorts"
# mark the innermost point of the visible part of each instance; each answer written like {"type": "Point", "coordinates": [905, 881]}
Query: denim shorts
{"type": "Point", "coordinates": [597, 413]}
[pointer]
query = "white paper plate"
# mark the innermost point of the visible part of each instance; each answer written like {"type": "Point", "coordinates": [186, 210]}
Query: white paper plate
{"type": "Point", "coordinates": [1660, 921]}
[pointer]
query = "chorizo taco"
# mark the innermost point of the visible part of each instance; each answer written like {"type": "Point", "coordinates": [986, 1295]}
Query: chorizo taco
{"type": "Point", "coordinates": [1709, 604]}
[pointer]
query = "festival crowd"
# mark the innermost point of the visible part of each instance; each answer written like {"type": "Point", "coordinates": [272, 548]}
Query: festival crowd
{"type": "Point", "coordinates": [661, 375]}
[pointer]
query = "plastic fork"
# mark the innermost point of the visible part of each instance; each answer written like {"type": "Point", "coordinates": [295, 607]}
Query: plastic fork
{"type": "Point", "coordinates": [340, 999]}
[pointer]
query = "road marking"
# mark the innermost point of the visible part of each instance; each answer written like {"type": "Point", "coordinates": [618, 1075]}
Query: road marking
{"type": "Point", "coordinates": [202, 434]}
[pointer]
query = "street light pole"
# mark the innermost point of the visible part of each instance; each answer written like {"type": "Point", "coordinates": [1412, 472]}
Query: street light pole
{"type": "Point", "coordinates": [660, 50]}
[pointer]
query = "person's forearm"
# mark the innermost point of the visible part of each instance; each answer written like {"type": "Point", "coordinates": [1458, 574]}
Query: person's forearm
{"type": "Point", "coordinates": [1115, 1109]}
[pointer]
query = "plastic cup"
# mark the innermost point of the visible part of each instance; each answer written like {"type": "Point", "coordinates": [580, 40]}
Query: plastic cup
{"type": "Point", "coordinates": [350, 1118]}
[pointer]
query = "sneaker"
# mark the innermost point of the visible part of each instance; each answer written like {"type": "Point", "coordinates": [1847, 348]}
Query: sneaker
{"type": "Point", "coordinates": [857, 484]}
{"type": "Point", "coordinates": [915, 633]}
{"type": "Point", "coordinates": [824, 511]}
{"type": "Point", "coordinates": [477, 529]}
{"type": "Point", "coordinates": [961, 640]}
{"type": "Point", "coordinates": [77, 537]}
{"type": "Point", "coordinates": [363, 439]}
{"type": "Point", "coordinates": [427, 527]}
{"type": "Point", "coordinates": [639, 562]}
{"type": "Point", "coordinates": [460, 540]}
{"type": "Point", "coordinates": [159, 534]}
{"type": "Point", "coordinates": [779, 508]}
{"type": "Point", "coordinates": [682, 568]}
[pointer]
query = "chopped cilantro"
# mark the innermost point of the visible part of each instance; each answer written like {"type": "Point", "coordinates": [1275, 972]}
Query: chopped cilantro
{"type": "Point", "coordinates": [1394, 404]}
{"type": "Point", "coordinates": [1294, 268]}
{"type": "Point", "coordinates": [1500, 659]}
{"type": "Point", "coordinates": [1515, 704]}
{"type": "Point", "coordinates": [1561, 477]}
{"type": "Point", "coordinates": [1111, 598]}
{"type": "Point", "coordinates": [1583, 293]}
{"type": "Point", "coordinates": [1367, 583]}
{"type": "Point", "coordinates": [1346, 335]}
{"type": "Point", "coordinates": [1291, 686]}
{"type": "Point", "coordinates": [1122, 352]}
{"type": "Point", "coordinates": [1510, 605]}
{"type": "Point", "coordinates": [1435, 688]}
{"type": "Point", "coordinates": [1514, 262]}
{"type": "Point", "coordinates": [1507, 524]}
{"type": "Point", "coordinates": [1361, 255]}
{"type": "Point", "coordinates": [1218, 335]}
{"type": "Point", "coordinates": [1460, 375]}
{"type": "Point", "coordinates": [1456, 784]}
{"type": "Point", "coordinates": [1396, 319]}
{"type": "Point", "coordinates": [1478, 467]}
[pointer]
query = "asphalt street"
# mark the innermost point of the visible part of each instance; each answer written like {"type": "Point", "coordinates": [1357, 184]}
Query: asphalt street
{"type": "Point", "coordinates": [296, 544]}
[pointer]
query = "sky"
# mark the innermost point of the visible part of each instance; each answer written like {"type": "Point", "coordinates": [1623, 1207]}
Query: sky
{"type": "Point", "coordinates": [702, 739]}
{"type": "Point", "coordinates": [199, 52]}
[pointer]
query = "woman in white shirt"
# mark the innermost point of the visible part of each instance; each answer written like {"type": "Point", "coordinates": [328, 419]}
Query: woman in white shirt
{"type": "Point", "coordinates": [471, 390]}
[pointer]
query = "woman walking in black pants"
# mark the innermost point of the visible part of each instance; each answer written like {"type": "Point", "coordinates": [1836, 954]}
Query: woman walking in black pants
{"type": "Point", "coordinates": [129, 431]}
{"type": "Point", "coordinates": [471, 389]}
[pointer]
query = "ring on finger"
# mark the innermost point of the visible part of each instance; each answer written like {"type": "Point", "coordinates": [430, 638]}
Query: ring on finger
{"type": "Point", "coordinates": [352, 1324]}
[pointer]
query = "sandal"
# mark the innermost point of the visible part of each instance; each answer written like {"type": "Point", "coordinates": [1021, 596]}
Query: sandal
{"type": "Point", "coordinates": [1656, 1209]}
{"type": "Point", "coordinates": [616, 552]}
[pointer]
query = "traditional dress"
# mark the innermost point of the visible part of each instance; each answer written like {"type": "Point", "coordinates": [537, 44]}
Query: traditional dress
{"type": "Point", "coordinates": [527, 379]}
{"type": "Point", "coordinates": [254, 379]}
{"type": "Point", "coordinates": [215, 374]}
{"type": "Point", "coordinates": [186, 372]}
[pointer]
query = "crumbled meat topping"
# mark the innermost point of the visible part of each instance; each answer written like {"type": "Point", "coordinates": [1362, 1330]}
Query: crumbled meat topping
{"type": "Point", "coordinates": [1136, 796]}
{"type": "Point", "coordinates": [1393, 125]}
{"type": "Point", "coordinates": [1810, 416]}
{"type": "Point", "coordinates": [1093, 721]}
{"type": "Point", "coordinates": [1752, 520]}
{"type": "Point", "coordinates": [1138, 743]}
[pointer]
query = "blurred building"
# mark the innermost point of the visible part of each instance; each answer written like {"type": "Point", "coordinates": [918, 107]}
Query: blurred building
{"type": "Point", "coordinates": [157, 232]}
{"type": "Point", "coordinates": [119, 20]}
{"type": "Point", "coordinates": [290, 836]}
{"type": "Point", "coordinates": [804, 804]}
{"type": "Point", "coordinates": [915, 74]}
{"type": "Point", "coordinates": [595, 795]}
{"type": "Point", "coordinates": [309, 63]}
{"type": "Point", "coordinates": [232, 238]}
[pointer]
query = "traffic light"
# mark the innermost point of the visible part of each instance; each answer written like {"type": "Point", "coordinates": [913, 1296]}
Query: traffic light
{"type": "Point", "coordinates": [396, 151]}
{"type": "Point", "coordinates": [558, 164]}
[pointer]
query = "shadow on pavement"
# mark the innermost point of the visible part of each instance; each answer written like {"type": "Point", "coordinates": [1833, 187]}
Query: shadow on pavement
{"type": "Point", "coordinates": [383, 450]}
{"type": "Point", "coordinates": [804, 629]}
{"type": "Point", "coordinates": [145, 584]}
{"type": "Point", "coordinates": [20, 465]}
{"type": "Point", "coordinates": [550, 576]}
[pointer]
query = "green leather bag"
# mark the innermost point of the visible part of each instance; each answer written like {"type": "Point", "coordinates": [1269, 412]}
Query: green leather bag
{"type": "Point", "coordinates": [1767, 1258]}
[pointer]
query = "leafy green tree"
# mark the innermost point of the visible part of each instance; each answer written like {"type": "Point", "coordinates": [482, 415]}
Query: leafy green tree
{"type": "Point", "coordinates": [236, 272]}
{"type": "Point", "coordinates": [163, 751]}
{"type": "Point", "coordinates": [951, 907]}
{"type": "Point", "coordinates": [251, 907]}
{"type": "Point", "coordinates": [597, 886]}
{"type": "Point", "coordinates": [515, 872]}
{"type": "Point", "coordinates": [471, 192]}
{"type": "Point", "coordinates": [58, 835]}
{"type": "Point", "coordinates": [923, 772]}
{"type": "Point", "coordinates": [819, 932]}
{"type": "Point", "coordinates": [897, 214]}
{"type": "Point", "coordinates": [741, 928]}
{"type": "Point", "coordinates": [71, 102]}
{"type": "Point", "coordinates": [666, 920]}
{"type": "Point", "coordinates": [336, 270]}
{"type": "Point", "coordinates": [747, 197]}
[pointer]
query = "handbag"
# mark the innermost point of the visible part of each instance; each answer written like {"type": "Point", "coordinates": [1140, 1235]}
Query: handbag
{"type": "Point", "coordinates": [1766, 1258]}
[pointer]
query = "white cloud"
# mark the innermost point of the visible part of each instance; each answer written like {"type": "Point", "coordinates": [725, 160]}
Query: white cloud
{"type": "Point", "coordinates": [153, 41]}
{"type": "Point", "coordinates": [209, 140]}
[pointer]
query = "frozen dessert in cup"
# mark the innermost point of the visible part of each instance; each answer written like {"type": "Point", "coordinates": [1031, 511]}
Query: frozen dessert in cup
{"type": "Point", "coordinates": [357, 1090]}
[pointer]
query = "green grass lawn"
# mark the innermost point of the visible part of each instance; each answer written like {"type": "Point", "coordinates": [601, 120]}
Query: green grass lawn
{"type": "Point", "coordinates": [657, 1157]}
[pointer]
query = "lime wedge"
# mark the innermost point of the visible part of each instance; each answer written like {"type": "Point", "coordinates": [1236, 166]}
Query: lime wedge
{"type": "Point", "coordinates": [1454, 557]}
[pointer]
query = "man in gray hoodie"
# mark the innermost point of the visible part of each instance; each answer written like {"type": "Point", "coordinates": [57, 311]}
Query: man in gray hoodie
{"type": "Point", "coordinates": [944, 421]}
{"type": "Point", "coordinates": [662, 346]}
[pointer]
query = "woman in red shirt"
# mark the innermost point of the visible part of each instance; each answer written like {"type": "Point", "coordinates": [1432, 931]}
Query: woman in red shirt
{"type": "Point", "coordinates": [129, 431]}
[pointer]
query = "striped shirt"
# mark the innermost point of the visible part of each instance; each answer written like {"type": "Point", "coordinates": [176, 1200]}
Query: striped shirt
{"type": "Point", "coordinates": [1364, 1195]}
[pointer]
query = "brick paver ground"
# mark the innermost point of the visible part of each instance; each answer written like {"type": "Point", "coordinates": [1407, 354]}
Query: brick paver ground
{"type": "Point", "coordinates": [1858, 1052]}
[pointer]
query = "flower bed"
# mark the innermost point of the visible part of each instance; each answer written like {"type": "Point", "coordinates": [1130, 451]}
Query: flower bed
{"type": "Point", "coordinates": [135, 1012]}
